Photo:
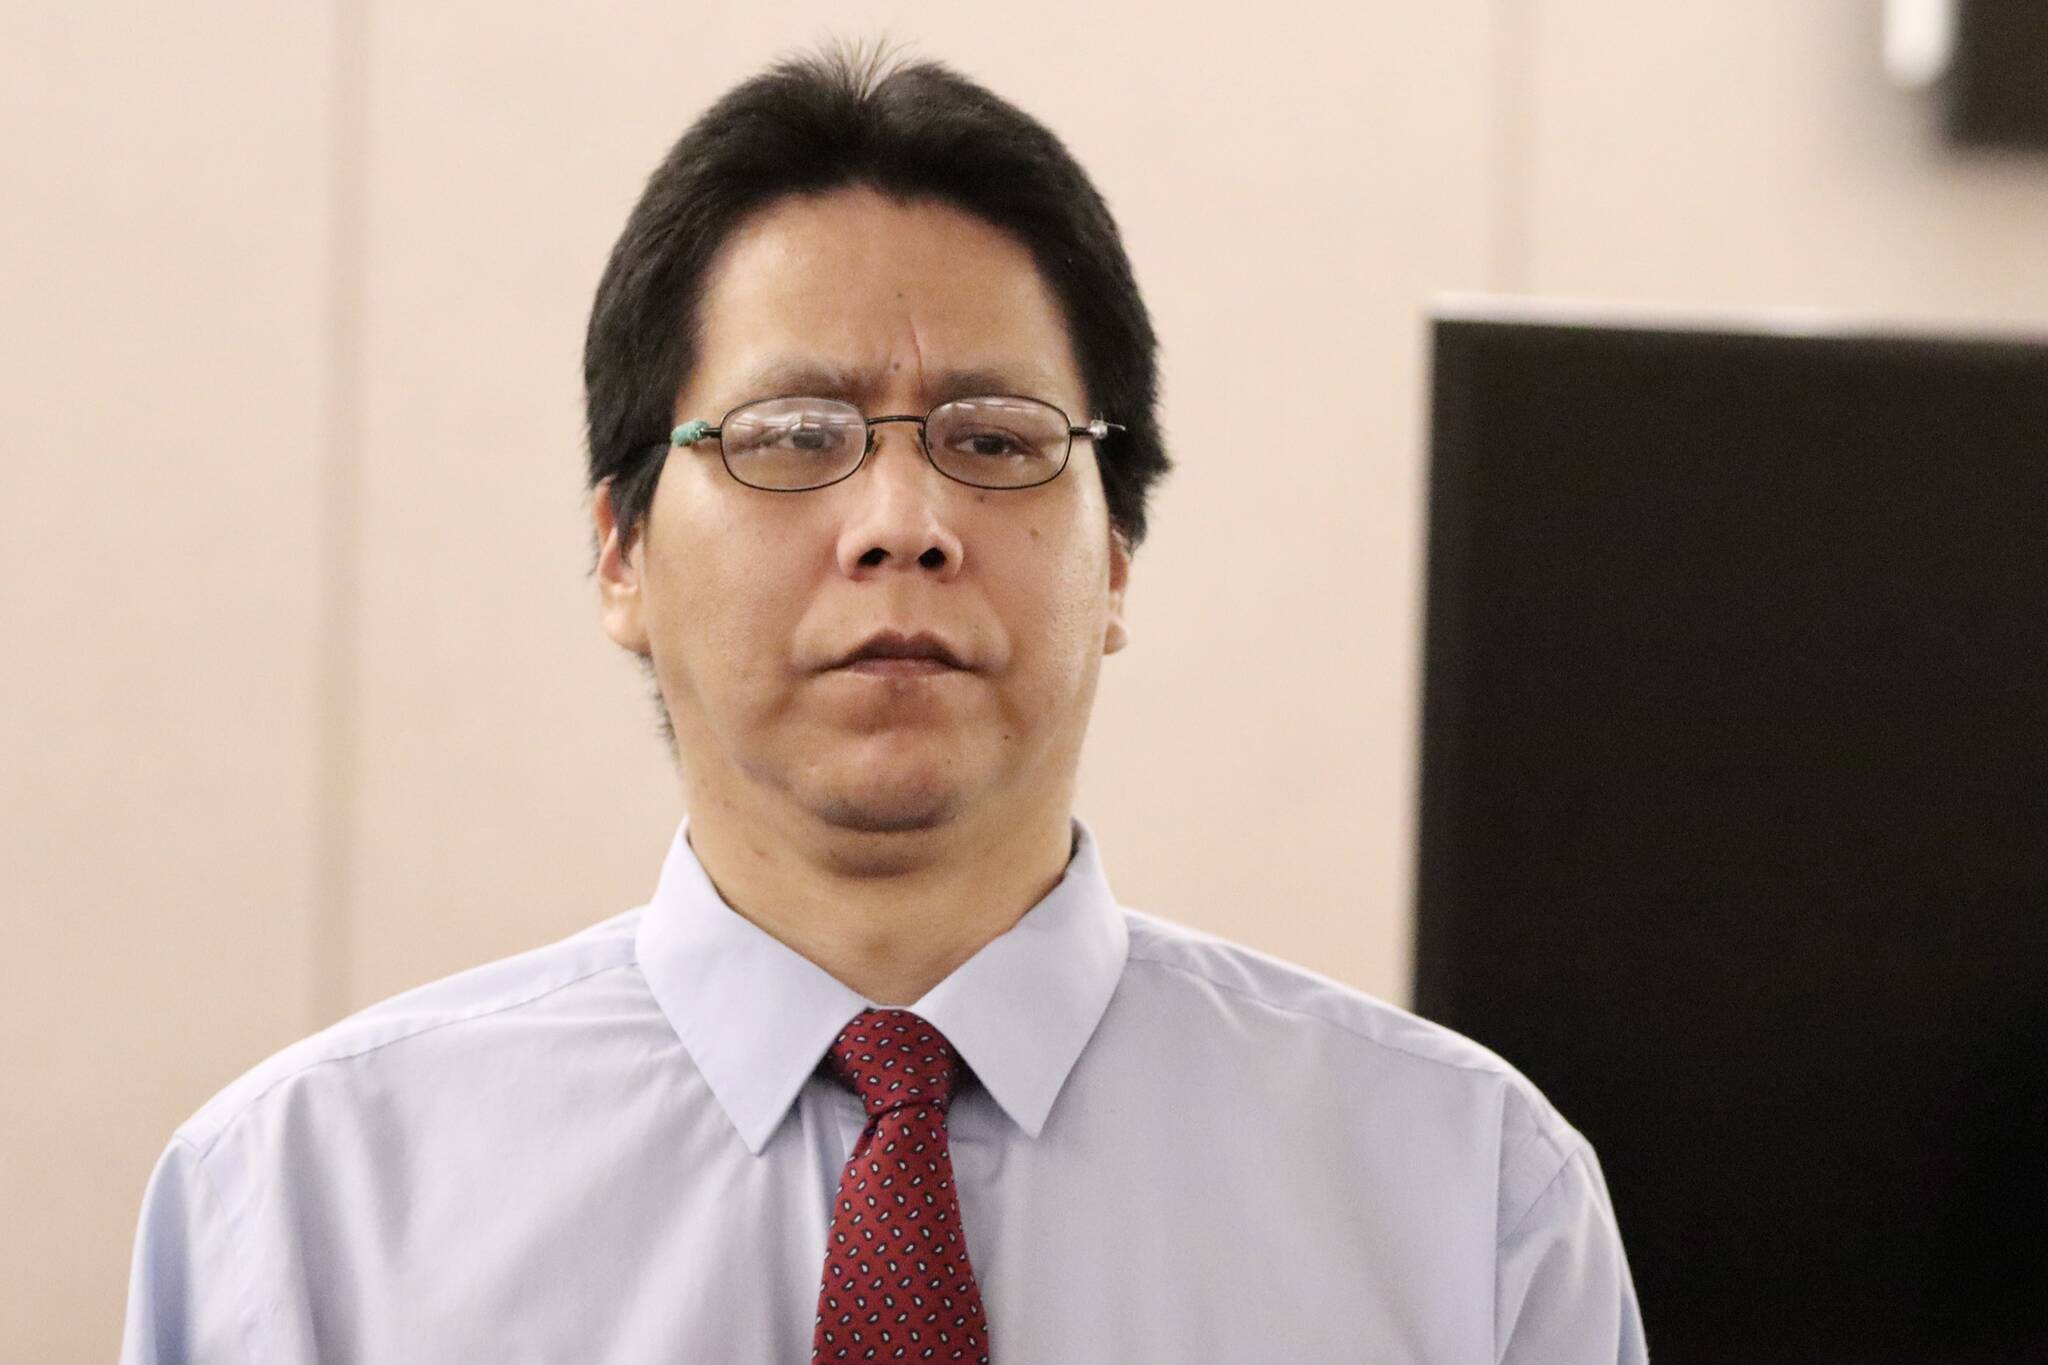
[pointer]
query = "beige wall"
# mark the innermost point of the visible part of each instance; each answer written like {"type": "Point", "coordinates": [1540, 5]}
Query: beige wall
{"type": "Point", "coordinates": [304, 700]}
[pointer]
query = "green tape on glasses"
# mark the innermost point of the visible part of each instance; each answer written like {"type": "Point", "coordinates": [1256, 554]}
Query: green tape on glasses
{"type": "Point", "coordinates": [689, 433]}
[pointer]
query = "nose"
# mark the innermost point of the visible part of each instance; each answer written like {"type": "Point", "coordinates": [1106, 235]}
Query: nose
{"type": "Point", "coordinates": [898, 511]}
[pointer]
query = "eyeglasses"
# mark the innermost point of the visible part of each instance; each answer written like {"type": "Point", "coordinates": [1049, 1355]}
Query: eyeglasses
{"type": "Point", "coordinates": [788, 445]}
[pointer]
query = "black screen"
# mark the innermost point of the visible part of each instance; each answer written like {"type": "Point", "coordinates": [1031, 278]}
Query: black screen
{"type": "Point", "coordinates": [1734, 812]}
{"type": "Point", "coordinates": [1997, 84]}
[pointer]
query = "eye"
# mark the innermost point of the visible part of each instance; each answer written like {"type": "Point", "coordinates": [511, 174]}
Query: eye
{"type": "Point", "coordinates": [792, 428]}
{"type": "Point", "coordinates": [991, 443]}
{"type": "Point", "coordinates": [809, 436]}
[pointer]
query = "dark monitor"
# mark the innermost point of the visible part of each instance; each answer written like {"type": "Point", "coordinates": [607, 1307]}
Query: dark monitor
{"type": "Point", "coordinates": [1997, 83]}
{"type": "Point", "coordinates": [1734, 810]}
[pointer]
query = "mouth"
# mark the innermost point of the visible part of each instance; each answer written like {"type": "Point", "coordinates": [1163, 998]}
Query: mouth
{"type": "Point", "coordinates": [893, 654]}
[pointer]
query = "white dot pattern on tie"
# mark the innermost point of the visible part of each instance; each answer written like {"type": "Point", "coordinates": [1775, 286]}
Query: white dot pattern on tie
{"type": "Point", "coordinates": [897, 1282]}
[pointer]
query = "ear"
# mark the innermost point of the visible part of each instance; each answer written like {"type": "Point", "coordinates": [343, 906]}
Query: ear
{"type": "Point", "coordinates": [619, 576]}
{"type": "Point", "coordinates": [1116, 636]}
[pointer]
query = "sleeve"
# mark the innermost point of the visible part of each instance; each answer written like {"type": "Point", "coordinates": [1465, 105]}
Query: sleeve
{"type": "Point", "coordinates": [183, 1297]}
{"type": "Point", "coordinates": [1562, 1285]}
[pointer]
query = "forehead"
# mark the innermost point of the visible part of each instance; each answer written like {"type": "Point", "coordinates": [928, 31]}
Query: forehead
{"type": "Point", "coordinates": [872, 295]}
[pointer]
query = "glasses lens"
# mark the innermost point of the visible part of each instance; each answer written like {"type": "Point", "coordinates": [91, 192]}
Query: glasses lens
{"type": "Point", "coordinates": [789, 443]}
{"type": "Point", "coordinates": [998, 442]}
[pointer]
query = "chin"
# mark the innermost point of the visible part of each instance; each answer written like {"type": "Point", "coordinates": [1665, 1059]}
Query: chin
{"type": "Point", "coordinates": [898, 802]}
{"type": "Point", "coordinates": [861, 815]}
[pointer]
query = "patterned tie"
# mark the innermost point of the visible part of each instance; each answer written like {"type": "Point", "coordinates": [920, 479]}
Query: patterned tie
{"type": "Point", "coordinates": [897, 1284]}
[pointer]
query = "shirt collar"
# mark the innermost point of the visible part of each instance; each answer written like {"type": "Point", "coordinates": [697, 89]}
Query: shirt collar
{"type": "Point", "coordinates": [757, 1016]}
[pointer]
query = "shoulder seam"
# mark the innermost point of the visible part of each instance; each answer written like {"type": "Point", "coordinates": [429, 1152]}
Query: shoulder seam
{"type": "Point", "coordinates": [251, 1322]}
{"type": "Point", "coordinates": [1337, 1024]}
{"type": "Point", "coordinates": [230, 1120]}
{"type": "Point", "coordinates": [1569, 1157]}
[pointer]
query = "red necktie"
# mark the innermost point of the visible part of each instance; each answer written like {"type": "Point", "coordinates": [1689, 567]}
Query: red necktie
{"type": "Point", "coordinates": [897, 1283]}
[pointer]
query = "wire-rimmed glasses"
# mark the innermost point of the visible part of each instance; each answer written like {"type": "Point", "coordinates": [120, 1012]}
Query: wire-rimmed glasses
{"type": "Point", "coordinates": [791, 444]}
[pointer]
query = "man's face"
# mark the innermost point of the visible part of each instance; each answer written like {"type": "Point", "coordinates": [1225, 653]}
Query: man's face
{"type": "Point", "coordinates": [747, 601]}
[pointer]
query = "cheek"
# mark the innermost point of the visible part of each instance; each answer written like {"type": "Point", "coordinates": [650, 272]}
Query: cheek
{"type": "Point", "coordinates": [720, 609]}
{"type": "Point", "coordinates": [1055, 590]}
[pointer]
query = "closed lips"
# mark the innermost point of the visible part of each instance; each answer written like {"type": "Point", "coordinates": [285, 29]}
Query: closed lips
{"type": "Point", "coordinates": [895, 645]}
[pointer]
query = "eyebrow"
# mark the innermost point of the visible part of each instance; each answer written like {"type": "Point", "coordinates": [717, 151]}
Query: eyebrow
{"type": "Point", "coordinates": [821, 379]}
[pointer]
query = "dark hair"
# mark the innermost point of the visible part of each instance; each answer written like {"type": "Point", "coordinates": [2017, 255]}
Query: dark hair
{"type": "Point", "coordinates": [913, 131]}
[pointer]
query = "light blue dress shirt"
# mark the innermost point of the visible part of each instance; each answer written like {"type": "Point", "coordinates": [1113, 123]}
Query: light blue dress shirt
{"type": "Point", "coordinates": [616, 1149]}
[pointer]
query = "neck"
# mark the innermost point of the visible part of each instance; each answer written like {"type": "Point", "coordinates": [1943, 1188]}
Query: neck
{"type": "Point", "coordinates": [890, 915]}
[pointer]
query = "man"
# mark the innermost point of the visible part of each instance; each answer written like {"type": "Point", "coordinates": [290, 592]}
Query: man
{"type": "Point", "coordinates": [882, 1071]}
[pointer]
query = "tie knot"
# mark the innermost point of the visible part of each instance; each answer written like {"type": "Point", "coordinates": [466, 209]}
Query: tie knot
{"type": "Point", "coordinates": [891, 1058]}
